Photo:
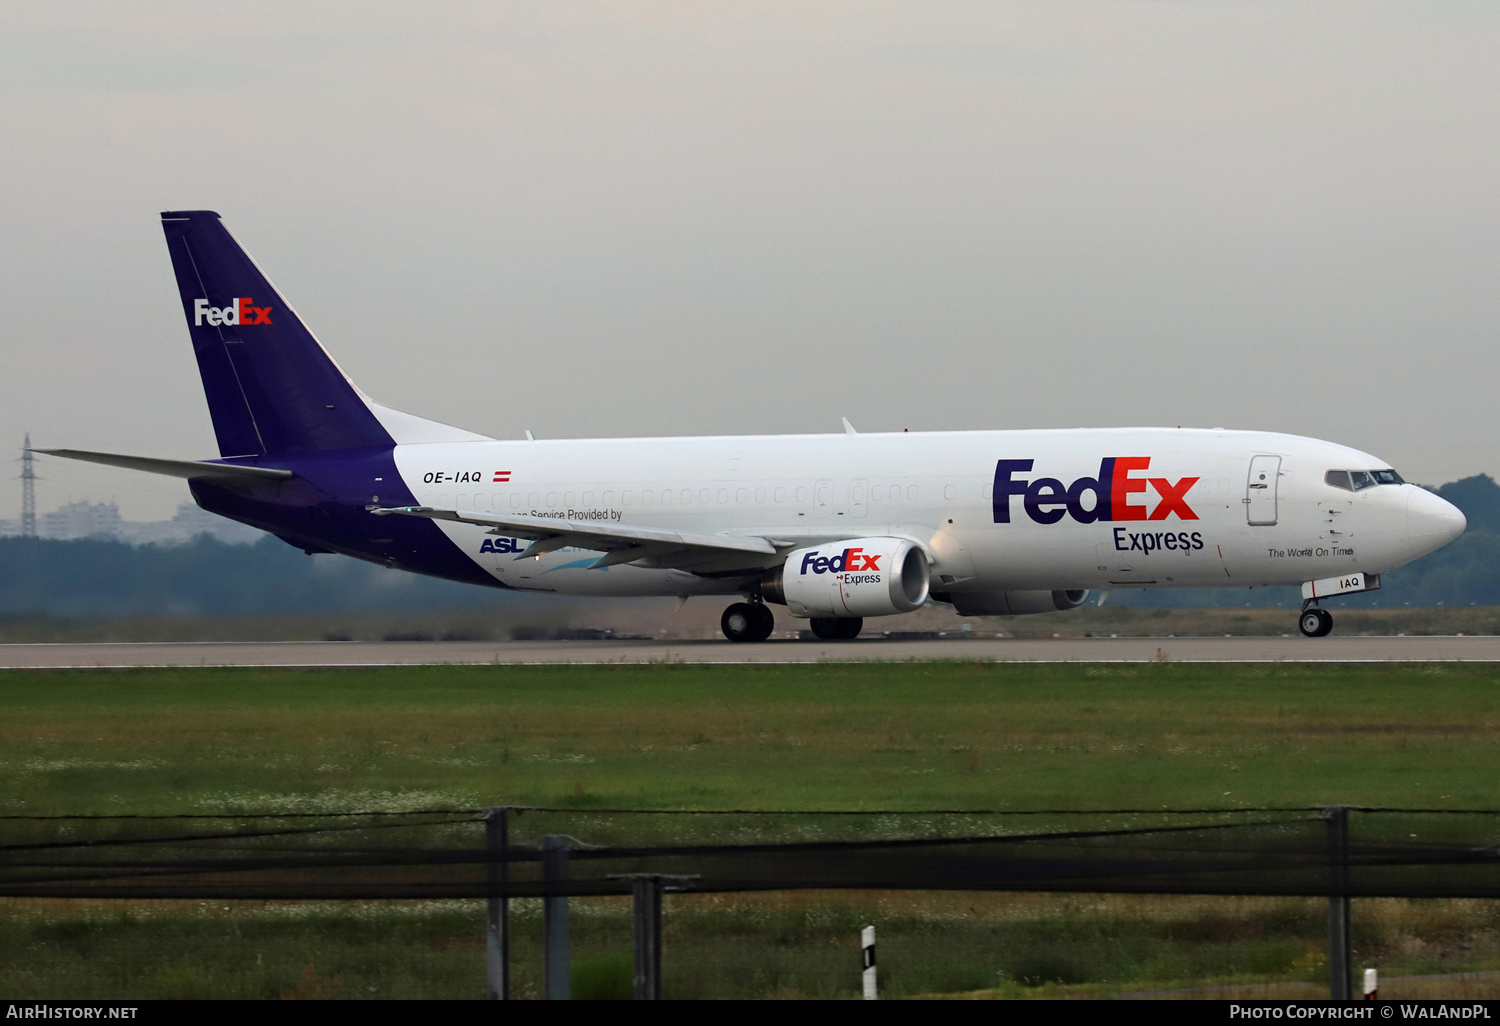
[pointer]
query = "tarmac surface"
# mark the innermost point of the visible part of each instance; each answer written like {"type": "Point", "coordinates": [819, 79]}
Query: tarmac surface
{"type": "Point", "coordinates": [1052, 650]}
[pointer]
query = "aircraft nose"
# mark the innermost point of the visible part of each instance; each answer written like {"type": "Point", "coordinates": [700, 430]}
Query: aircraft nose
{"type": "Point", "coordinates": [1431, 522]}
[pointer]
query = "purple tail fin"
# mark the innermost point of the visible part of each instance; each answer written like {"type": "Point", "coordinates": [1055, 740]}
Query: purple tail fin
{"type": "Point", "coordinates": [270, 386]}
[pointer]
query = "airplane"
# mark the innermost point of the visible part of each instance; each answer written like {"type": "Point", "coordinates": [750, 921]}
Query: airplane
{"type": "Point", "coordinates": [835, 527]}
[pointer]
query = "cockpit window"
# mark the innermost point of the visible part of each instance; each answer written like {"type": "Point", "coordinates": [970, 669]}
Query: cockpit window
{"type": "Point", "coordinates": [1359, 480]}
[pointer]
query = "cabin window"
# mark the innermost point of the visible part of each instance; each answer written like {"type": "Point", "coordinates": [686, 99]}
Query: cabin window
{"type": "Point", "coordinates": [911, 493]}
{"type": "Point", "coordinates": [781, 495]}
{"type": "Point", "coordinates": [949, 491]}
{"type": "Point", "coordinates": [647, 495]}
{"type": "Point", "coordinates": [705, 495]}
{"type": "Point", "coordinates": [760, 495]}
{"type": "Point", "coordinates": [686, 496]}
{"type": "Point", "coordinates": [551, 499]}
{"type": "Point", "coordinates": [626, 497]}
{"type": "Point", "coordinates": [801, 494]}
{"type": "Point", "coordinates": [588, 498]}
{"type": "Point", "coordinates": [515, 500]}
{"type": "Point", "coordinates": [609, 498]}
{"type": "Point", "coordinates": [666, 496]}
{"type": "Point", "coordinates": [723, 494]}
{"type": "Point", "coordinates": [570, 499]}
{"type": "Point", "coordinates": [741, 494]}
{"type": "Point", "coordinates": [876, 493]}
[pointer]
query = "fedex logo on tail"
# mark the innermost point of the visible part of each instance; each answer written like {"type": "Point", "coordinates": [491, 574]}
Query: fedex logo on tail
{"type": "Point", "coordinates": [1116, 494]}
{"type": "Point", "coordinates": [852, 560]}
{"type": "Point", "coordinates": [241, 311]}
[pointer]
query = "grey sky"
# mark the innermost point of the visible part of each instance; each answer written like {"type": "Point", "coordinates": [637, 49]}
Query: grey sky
{"type": "Point", "coordinates": [684, 218]}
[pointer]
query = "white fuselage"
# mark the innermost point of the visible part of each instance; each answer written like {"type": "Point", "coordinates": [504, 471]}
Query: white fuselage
{"type": "Point", "coordinates": [1259, 512]}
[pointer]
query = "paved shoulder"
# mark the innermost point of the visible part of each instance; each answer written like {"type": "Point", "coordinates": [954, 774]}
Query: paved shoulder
{"type": "Point", "coordinates": [396, 653]}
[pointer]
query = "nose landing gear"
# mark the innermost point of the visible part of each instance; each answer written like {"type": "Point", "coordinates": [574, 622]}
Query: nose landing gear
{"type": "Point", "coordinates": [746, 621]}
{"type": "Point", "coordinates": [1315, 622]}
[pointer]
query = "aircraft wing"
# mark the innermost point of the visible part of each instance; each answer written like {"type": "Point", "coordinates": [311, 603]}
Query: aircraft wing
{"type": "Point", "coordinates": [172, 468]}
{"type": "Point", "coordinates": [620, 543]}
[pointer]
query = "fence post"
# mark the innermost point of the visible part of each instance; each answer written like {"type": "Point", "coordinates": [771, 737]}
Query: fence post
{"type": "Point", "coordinates": [647, 892]}
{"type": "Point", "coordinates": [556, 985]}
{"type": "Point", "coordinates": [497, 941]}
{"type": "Point", "coordinates": [647, 889]}
{"type": "Point", "coordinates": [1340, 957]}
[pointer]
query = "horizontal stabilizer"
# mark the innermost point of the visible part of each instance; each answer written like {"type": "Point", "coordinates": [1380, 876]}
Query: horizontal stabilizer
{"type": "Point", "coordinates": [172, 468]}
{"type": "Point", "coordinates": [625, 540]}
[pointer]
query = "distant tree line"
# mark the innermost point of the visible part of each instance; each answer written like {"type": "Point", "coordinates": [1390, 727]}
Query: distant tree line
{"type": "Point", "coordinates": [99, 578]}
{"type": "Point", "coordinates": [104, 578]}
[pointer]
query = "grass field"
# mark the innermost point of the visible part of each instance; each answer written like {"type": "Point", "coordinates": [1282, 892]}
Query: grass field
{"type": "Point", "coordinates": [902, 736]}
{"type": "Point", "coordinates": [908, 736]}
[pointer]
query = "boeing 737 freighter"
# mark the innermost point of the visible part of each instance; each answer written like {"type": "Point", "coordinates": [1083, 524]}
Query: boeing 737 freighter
{"type": "Point", "coordinates": [834, 527]}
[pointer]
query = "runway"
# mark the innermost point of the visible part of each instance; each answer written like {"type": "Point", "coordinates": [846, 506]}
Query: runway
{"type": "Point", "coordinates": [1001, 650]}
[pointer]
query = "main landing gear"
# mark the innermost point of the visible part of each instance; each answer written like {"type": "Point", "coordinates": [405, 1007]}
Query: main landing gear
{"type": "Point", "coordinates": [745, 621]}
{"type": "Point", "coordinates": [1315, 622]}
{"type": "Point", "coordinates": [837, 628]}
{"type": "Point", "coordinates": [753, 621]}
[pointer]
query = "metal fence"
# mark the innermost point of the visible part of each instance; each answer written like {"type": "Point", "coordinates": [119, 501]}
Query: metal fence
{"type": "Point", "coordinates": [506, 852]}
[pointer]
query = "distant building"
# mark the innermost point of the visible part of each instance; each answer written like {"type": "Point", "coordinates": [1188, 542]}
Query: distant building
{"type": "Point", "coordinates": [103, 520]}
{"type": "Point", "coordinates": [83, 520]}
{"type": "Point", "coordinates": [186, 524]}
{"type": "Point", "coordinates": [9, 528]}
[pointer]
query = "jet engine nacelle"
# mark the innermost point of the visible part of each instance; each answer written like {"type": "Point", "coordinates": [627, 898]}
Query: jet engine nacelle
{"type": "Point", "coordinates": [1014, 603]}
{"type": "Point", "coordinates": [855, 577]}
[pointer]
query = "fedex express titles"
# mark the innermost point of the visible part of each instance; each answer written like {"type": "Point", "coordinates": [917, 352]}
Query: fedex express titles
{"type": "Point", "coordinates": [1047, 500]}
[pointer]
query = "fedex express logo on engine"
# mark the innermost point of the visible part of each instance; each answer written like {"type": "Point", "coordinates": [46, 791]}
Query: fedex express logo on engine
{"type": "Point", "coordinates": [242, 311]}
{"type": "Point", "coordinates": [852, 560]}
{"type": "Point", "coordinates": [1116, 494]}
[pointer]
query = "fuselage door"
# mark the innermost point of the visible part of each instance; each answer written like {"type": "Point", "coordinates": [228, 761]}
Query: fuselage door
{"type": "Point", "coordinates": [858, 497]}
{"type": "Point", "coordinates": [823, 498]}
{"type": "Point", "coordinates": [1260, 490]}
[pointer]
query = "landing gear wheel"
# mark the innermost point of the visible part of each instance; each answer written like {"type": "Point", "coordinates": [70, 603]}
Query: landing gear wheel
{"type": "Point", "coordinates": [1315, 623]}
{"type": "Point", "coordinates": [765, 622]}
{"type": "Point", "coordinates": [837, 628]}
{"type": "Point", "coordinates": [745, 622]}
